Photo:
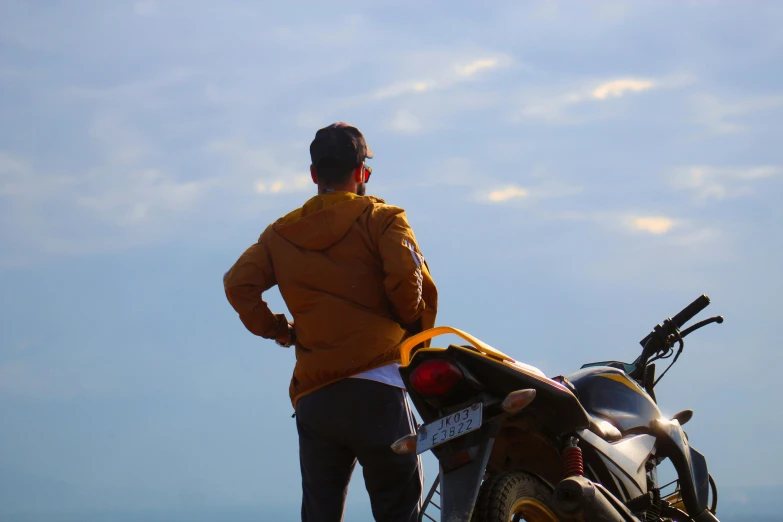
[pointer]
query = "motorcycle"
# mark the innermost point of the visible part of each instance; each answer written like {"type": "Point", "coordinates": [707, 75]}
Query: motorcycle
{"type": "Point", "coordinates": [514, 445]}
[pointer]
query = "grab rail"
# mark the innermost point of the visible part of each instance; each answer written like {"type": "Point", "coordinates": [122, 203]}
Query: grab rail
{"type": "Point", "coordinates": [409, 344]}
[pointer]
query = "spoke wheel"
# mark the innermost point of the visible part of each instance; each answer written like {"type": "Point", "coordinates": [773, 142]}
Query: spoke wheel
{"type": "Point", "coordinates": [510, 497]}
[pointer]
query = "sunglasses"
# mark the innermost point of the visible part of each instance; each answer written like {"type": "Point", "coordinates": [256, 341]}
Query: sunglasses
{"type": "Point", "coordinates": [367, 172]}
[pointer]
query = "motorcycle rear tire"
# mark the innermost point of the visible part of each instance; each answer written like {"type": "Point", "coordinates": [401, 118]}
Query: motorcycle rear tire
{"type": "Point", "coordinates": [514, 496]}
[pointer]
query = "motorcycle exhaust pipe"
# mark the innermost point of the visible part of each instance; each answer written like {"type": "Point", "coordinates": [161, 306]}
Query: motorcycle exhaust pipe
{"type": "Point", "coordinates": [577, 499]}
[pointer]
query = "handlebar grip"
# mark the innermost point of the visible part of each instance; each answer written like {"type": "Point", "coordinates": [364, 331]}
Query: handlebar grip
{"type": "Point", "coordinates": [690, 311]}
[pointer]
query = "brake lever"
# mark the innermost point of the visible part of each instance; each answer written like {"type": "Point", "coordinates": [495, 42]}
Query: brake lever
{"type": "Point", "coordinates": [677, 336]}
{"type": "Point", "coordinates": [717, 319]}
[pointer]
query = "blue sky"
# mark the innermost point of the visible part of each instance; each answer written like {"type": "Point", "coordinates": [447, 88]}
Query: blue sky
{"type": "Point", "coordinates": [574, 172]}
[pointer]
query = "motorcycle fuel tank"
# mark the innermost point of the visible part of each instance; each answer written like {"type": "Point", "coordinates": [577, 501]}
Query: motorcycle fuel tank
{"type": "Point", "coordinates": [609, 393]}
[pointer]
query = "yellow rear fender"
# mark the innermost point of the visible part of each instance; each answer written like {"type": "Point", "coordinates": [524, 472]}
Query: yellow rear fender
{"type": "Point", "coordinates": [482, 347]}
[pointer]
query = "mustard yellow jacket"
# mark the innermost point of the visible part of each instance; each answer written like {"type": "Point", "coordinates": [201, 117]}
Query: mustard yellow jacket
{"type": "Point", "coordinates": [352, 276]}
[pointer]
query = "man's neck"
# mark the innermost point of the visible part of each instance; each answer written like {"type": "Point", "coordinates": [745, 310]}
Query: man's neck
{"type": "Point", "coordinates": [329, 190]}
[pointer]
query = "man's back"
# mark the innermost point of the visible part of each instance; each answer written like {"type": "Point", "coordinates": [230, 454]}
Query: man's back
{"type": "Point", "coordinates": [352, 276]}
{"type": "Point", "coordinates": [348, 284]}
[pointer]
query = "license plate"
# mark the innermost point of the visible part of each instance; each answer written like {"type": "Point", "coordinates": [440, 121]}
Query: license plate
{"type": "Point", "coordinates": [448, 428]}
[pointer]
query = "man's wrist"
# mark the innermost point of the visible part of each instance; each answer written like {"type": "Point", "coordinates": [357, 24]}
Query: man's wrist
{"type": "Point", "coordinates": [290, 339]}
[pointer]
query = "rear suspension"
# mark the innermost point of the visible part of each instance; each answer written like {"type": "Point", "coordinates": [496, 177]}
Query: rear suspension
{"type": "Point", "coordinates": [573, 463]}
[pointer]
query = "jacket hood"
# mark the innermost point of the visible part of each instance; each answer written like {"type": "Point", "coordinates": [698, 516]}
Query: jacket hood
{"type": "Point", "coordinates": [323, 220]}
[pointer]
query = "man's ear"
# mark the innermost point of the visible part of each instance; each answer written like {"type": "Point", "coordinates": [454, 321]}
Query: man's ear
{"type": "Point", "coordinates": [313, 175]}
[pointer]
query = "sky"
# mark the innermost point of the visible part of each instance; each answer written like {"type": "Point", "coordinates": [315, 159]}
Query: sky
{"type": "Point", "coordinates": [575, 172]}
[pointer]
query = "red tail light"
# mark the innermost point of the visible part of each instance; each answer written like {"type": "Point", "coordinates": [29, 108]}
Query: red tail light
{"type": "Point", "coordinates": [435, 377]}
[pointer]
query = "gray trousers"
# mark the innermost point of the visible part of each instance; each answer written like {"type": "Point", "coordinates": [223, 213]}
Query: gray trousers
{"type": "Point", "coordinates": [350, 420]}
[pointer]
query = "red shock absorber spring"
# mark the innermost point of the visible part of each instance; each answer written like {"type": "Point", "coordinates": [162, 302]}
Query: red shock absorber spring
{"type": "Point", "coordinates": [573, 464]}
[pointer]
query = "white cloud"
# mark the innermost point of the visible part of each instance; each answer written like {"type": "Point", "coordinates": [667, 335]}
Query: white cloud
{"type": "Point", "coordinates": [439, 72]}
{"type": "Point", "coordinates": [719, 183]}
{"type": "Point", "coordinates": [127, 190]}
{"type": "Point", "coordinates": [260, 168]}
{"type": "Point", "coordinates": [107, 207]}
{"type": "Point", "coordinates": [421, 82]}
{"type": "Point", "coordinates": [140, 195]}
{"type": "Point", "coordinates": [476, 66]}
{"type": "Point", "coordinates": [127, 198]}
{"type": "Point", "coordinates": [298, 184]}
{"type": "Point", "coordinates": [678, 232]}
{"type": "Point", "coordinates": [617, 88]}
{"type": "Point", "coordinates": [654, 224]}
{"type": "Point", "coordinates": [121, 201]}
{"type": "Point", "coordinates": [400, 88]}
{"type": "Point", "coordinates": [541, 184]}
{"type": "Point", "coordinates": [506, 193]}
{"type": "Point", "coordinates": [552, 104]}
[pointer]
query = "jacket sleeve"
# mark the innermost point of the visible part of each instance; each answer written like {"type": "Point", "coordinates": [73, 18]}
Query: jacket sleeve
{"type": "Point", "coordinates": [251, 276]}
{"type": "Point", "coordinates": [403, 267]}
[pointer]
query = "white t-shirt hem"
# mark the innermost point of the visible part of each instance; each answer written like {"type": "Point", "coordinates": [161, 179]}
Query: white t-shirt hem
{"type": "Point", "coordinates": [388, 374]}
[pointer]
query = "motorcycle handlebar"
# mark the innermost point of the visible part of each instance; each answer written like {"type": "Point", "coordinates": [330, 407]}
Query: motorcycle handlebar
{"type": "Point", "coordinates": [651, 344]}
{"type": "Point", "coordinates": [690, 311]}
{"type": "Point", "coordinates": [685, 315]}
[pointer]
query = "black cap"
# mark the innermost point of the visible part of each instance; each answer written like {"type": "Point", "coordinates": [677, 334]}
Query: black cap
{"type": "Point", "coordinates": [341, 142]}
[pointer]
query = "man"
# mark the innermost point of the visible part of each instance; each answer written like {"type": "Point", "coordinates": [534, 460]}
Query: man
{"type": "Point", "coordinates": [352, 276]}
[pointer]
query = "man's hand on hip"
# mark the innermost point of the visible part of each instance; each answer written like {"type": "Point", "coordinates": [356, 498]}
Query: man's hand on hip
{"type": "Point", "coordinates": [288, 338]}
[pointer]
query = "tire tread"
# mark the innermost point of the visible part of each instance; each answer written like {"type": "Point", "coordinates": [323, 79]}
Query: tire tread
{"type": "Point", "coordinates": [499, 492]}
